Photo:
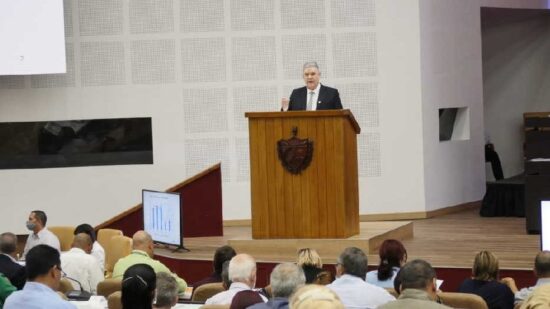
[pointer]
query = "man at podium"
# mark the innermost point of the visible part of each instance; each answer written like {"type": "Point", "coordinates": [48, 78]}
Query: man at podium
{"type": "Point", "coordinates": [313, 96]}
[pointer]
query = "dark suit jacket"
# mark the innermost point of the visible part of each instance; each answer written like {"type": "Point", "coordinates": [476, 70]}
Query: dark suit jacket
{"type": "Point", "coordinates": [13, 271]}
{"type": "Point", "coordinates": [329, 98]}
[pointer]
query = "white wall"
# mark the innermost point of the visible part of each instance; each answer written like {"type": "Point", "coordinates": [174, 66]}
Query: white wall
{"type": "Point", "coordinates": [516, 75]}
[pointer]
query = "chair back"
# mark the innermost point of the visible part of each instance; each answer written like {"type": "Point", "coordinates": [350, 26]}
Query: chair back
{"type": "Point", "coordinates": [109, 286]}
{"type": "Point", "coordinates": [205, 291]}
{"type": "Point", "coordinates": [104, 236]}
{"type": "Point", "coordinates": [392, 291]}
{"type": "Point", "coordinates": [323, 278]}
{"type": "Point", "coordinates": [65, 286]}
{"type": "Point", "coordinates": [65, 234]}
{"type": "Point", "coordinates": [215, 307]}
{"type": "Point", "coordinates": [114, 300]}
{"type": "Point", "coordinates": [462, 300]}
{"type": "Point", "coordinates": [117, 248]}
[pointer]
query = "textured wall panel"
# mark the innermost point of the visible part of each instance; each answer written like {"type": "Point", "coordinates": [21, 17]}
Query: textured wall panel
{"type": "Point", "coordinates": [201, 16]}
{"type": "Point", "coordinates": [58, 80]}
{"type": "Point", "coordinates": [102, 63]}
{"type": "Point", "coordinates": [203, 59]}
{"type": "Point", "coordinates": [369, 155]}
{"type": "Point", "coordinates": [353, 13]}
{"type": "Point", "coordinates": [299, 49]}
{"type": "Point", "coordinates": [362, 100]}
{"type": "Point", "coordinates": [252, 15]}
{"type": "Point", "coordinates": [354, 54]}
{"type": "Point", "coordinates": [205, 152]}
{"type": "Point", "coordinates": [68, 17]}
{"type": "Point", "coordinates": [151, 16]}
{"type": "Point", "coordinates": [254, 58]}
{"type": "Point", "coordinates": [243, 159]}
{"type": "Point", "coordinates": [302, 14]}
{"type": "Point", "coordinates": [205, 110]}
{"type": "Point", "coordinates": [153, 62]}
{"type": "Point", "coordinates": [252, 99]}
{"type": "Point", "coordinates": [12, 81]}
{"type": "Point", "coordinates": [100, 17]}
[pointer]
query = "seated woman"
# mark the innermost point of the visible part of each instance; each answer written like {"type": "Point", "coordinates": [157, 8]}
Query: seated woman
{"type": "Point", "coordinates": [392, 256]}
{"type": "Point", "coordinates": [484, 282]}
{"type": "Point", "coordinates": [138, 287]}
{"type": "Point", "coordinates": [311, 264]}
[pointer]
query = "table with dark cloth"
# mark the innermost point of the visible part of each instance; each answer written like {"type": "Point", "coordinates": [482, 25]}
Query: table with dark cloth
{"type": "Point", "coordinates": [504, 198]}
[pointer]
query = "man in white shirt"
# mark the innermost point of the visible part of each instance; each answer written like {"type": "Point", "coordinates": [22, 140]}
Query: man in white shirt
{"type": "Point", "coordinates": [97, 250]}
{"type": "Point", "coordinates": [350, 286]}
{"type": "Point", "coordinates": [79, 265]}
{"type": "Point", "coordinates": [242, 274]}
{"type": "Point", "coordinates": [40, 234]}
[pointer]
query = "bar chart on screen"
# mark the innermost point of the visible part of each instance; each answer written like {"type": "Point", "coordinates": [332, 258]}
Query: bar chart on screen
{"type": "Point", "coordinates": [162, 216]}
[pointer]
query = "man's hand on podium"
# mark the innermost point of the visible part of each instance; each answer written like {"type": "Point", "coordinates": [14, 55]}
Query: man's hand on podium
{"type": "Point", "coordinates": [284, 104]}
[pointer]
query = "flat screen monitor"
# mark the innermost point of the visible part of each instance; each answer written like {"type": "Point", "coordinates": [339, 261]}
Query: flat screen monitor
{"type": "Point", "coordinates": [162, 216]}
{"type": "Point", "coordinates": [545, 225]}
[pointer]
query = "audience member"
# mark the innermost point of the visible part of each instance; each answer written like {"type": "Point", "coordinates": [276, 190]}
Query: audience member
{"type": "Point", "coordinates": [222, 254]}
{"type": "Point", "coordinates": [40, 234]}
{"type": "Point", "coordinates": [167, 291]}
{"type": "Point", "coordinates": [484, 282]}
{"type": "Point", "coordinates": [242, 274]}
{"type": "Point", "coordinates": [350, 285]}
{"type": "Point", "coordinates": [245, 299]}
{"type": "Point", "coordinates": [311, 264]}
{"type": "Point", "coordinates": [313, 296]}
{"type": "Point", "coordinates": [8, 263]}
{"type": "Point", "coordinates": [225, 275]}
{"type": "Point", "coordinates": [142, 253]}
{"type": "Point", "coordinates": [44, 273]}
{"type": "Point", "coordinates": [78, 264]}
{"type": "Point", "coordinates": [392, 256]}
{"type": "Point", "coordinates": [97, 250]}
{"type": "Point", "coordinates": [418, 287]}
{"type": "Point", "coordinates": [284, 280]}
{"type": "Point", "coordinates": [538, 299]}
{"type": "Point", "coordinates": [138, 287]}
{"type": "Point", "coordinates": [542, 272]}
{"type": "Point", "coordinates": [5, 289]}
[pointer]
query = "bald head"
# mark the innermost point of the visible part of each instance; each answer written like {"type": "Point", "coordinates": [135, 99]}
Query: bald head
{"type": "Point", "coordinates": [8, 243]}
{"type": "Point", "coordinates": [542, 264]}
{"type": "Point", "coordinates": [82, 241]}
{"type": "Point", "coordinates": [143, 241]}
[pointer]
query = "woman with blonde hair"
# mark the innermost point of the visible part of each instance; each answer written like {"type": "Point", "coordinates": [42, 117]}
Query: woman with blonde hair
{"type": "Point", "coordinates": [485, 282]}
{"type": "Point", "coordinates": [313, 296]}
{"type": "Point", "coordinates": [310, 262]}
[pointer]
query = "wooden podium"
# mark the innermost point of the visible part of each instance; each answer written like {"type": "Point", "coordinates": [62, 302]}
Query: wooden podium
{"type": "Point", "coordinates": [320, 202]}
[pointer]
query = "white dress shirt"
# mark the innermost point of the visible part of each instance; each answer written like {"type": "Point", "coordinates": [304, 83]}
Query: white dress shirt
{"type": "Point", "coordinates": [315, 96]}
{"type": "Point", "coordinates": [99, 253]}
{"type": "Point", "coordinates": [44, 237]}
{"type": "Point", "coordinates": [79, 265]}
{"type": "Point", "coordinates": [225, 297]}
{"type": "Point", "coordinates": [355, 293]}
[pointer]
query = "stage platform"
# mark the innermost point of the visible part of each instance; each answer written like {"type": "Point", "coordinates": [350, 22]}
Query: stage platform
{"type": "Point", "coordinates": [448, 242]}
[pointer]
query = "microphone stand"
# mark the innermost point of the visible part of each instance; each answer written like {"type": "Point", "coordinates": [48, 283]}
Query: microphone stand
{"type": "Point", "coordinates": [78, 295]}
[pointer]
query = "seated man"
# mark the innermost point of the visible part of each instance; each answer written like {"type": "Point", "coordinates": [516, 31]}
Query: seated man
{"type": "Point", "coordinates": [242, 274]}
{"type": "Point", "coordinates": [542, 272]}
{"type": "Point", "coordinates": [166, 295]}
{"type": "Point", "coordinates": [142, 253]}
{"type": "Point", "coordinates": [284, 280]}
{"type": "Point", "coordinates": [350, 285]}
{"type": "Point", "coordinates": [40, 234]}
{"type": "Point", "coordinates": [43, 273]}
{"type": "Point", "coordinates": [78, 264]}
{"type": "Point", "coordinates": [8, 263]}
{"type": "Point", "coordinates": [5, 289]}
{"type": "Point", "coordinates": [222, 254]}
{"type": "Point", "coordinates": [418, 287]}
{"type": "Point", "coordinates": [97, 250]}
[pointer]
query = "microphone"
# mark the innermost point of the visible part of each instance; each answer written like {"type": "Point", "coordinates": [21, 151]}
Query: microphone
{"type": "Point", "coordinates": [77, 295]}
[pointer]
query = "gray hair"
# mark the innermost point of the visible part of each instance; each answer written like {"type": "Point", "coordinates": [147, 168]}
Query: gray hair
{"type": "Point", "coordinates": [285, 279]}
{"type": "Point", "coordinates": [416, 274]}
{"type": "Point", "coordinates": [8, 243]}
{"type": "Point", "coordinates": [167, 290]}
{"type": "Point", "coordinates": [354, 262]}
{"type": "Point", "coordinates": [241, 267]}
{"type": "Point", "coordinates": [311, 64]}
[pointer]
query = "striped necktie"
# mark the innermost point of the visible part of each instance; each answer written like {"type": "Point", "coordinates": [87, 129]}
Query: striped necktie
{"type": "Point", "coordinates": [310, 101]}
